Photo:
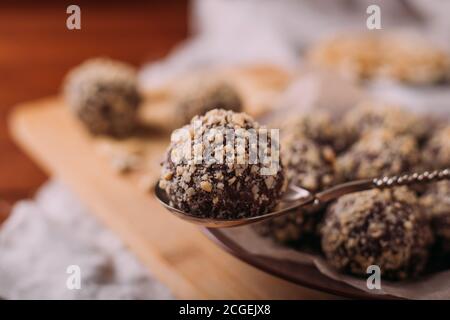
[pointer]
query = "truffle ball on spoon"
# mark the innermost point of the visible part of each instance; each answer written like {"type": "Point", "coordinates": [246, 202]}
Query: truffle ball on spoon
{"type": "Point", "coordinates": [227, 187]}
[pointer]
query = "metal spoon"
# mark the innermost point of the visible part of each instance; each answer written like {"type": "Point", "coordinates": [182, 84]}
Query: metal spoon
{"type": "Point", "coordinates": [296, 197]}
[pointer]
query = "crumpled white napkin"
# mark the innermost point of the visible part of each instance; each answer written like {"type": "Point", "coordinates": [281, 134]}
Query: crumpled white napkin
{"type": "Point", "coordinates": [44, 236]}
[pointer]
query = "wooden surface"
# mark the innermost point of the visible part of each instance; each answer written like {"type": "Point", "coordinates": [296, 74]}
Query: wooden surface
{"type": "Point", "coordinates": [176, 252]}
{"type": "Point", "coordinates": [36, 50]}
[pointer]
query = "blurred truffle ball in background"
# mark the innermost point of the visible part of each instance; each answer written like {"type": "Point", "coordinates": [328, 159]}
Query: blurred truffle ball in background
{"type": "Point", "coordinates": [103, 94]}
{"type": "Point", "coordinates": [436, 201]}
{"type": "Point", "coordinates": [379, 152]}
{"type": "Point", "coordinates": [379, 227]}
{"type": "Point", "coordinates": [220, 188]}
{"type": "Point", "coordinates": [407, 58]}
{"type": "Point", "coordinates": [321, 128]}
{"type": "Point", "coordinates": [309, 166]}
{"type": "Point", "coordinates": [291, 228]}
{"type": "Point", "coordinates": [356, 56]}
{"type": "Point", "coordinates": [436, 153]}
{"type": "Point", "coordinates": [370, 115]}
{"type": "Point", "coordinates": [200, 95]}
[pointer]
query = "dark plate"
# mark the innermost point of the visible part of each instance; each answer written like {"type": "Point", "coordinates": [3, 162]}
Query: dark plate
{"type": "Point", "coordinates": [304, 275]}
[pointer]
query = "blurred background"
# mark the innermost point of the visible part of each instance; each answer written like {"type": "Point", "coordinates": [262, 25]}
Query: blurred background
{"type": "Point", "coordinates": [36, 50]}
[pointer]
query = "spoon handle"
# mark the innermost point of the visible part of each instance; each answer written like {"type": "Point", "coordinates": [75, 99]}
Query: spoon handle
{"type": "Point", "coordinates": [382, 183]}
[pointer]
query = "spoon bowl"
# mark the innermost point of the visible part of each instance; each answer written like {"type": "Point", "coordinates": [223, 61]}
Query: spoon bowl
{"type": "Point", "coordinates": [297, 197]}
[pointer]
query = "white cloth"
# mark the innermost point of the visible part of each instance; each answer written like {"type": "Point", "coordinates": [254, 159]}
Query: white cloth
{"type": "Point", "coordinates": [44, 236]}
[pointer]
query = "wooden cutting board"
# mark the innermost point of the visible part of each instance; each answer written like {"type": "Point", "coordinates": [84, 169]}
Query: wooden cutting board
{"type": "Point", "coordinates": [177, 253]}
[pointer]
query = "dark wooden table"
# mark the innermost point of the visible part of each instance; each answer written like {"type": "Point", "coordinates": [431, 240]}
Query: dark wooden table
{"type": "Point", "coordinates": [36, 50]}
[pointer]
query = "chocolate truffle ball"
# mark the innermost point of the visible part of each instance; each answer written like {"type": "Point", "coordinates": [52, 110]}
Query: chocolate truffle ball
{"type": "Point", "coordinates": [291, 228]}
{"type": "Point", "coordinates": [403, 57]}
{"type": "Point", "coordinates": [103, 94]}
{"type": "Point", "coordinates": [371, 115]}
{"type": "Point", "coordinates": [353, 56]}
{"type": "Point", "coordinates": [437, 151]}
{"type": "Point", "coordinates": [320, 127]}
{"type": "Point", "coordinates": [200, 96]}
{"type": "Point", "coordinates": [222, 187]}
{"type": "Point", "coordinates": [436, 202]}
{"type": "Point", "coordinates": [379, 152]}
{"type": "Point", "coordinates": [415, 60]}
{"type": "Point", "coordinates": [384, 228]}
{"type": "Point", "coordinates": [309, 166]}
